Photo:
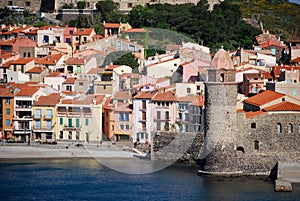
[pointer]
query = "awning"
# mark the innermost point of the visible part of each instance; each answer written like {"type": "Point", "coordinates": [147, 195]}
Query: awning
{"type": "Point", "coordinates": [121, 133]}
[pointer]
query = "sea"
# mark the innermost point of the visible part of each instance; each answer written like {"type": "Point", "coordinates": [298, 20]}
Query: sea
{"type": "Point", "coordinates": [87, 179]}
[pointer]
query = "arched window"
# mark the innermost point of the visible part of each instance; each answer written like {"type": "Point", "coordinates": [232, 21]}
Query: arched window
{"type": "Point", "coordinates": [291, 128]}
{"type": "Point", "coordinates": [256, 145]}
{"type": "Point", "coordinates": [222, 77]}
{"type": "Point", "coordinates": [279, 128]}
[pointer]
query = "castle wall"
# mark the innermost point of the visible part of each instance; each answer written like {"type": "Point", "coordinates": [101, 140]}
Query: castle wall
{"type": "Point", "coordinates": [272, 146]}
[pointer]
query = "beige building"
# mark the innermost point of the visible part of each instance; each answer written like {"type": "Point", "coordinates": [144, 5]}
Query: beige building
{"type": "Point", "coordinates": [80, 120]}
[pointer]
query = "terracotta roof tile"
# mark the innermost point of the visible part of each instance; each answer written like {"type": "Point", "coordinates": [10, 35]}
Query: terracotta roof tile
{"type": "Point", "coordinates": [37, 70]}
{"type": "Point", "coordinates": [70, 80]}
{"type": "Point", "coordinates": [112, 67]}
{"type": "Point", "coordinates": [283, 106]}
{"type": "Point", "coordinates": [263, 98]}
{"type": "Point", "coordinates": [111, 25]}
{"type": "Point", "coordinates": [121, 95]}
{"type": "Point", "coordinates": [23, 60]}
{"type": "Point", "coordinates": [54, 74]}
{"type": "Point", "coordinates": [50, 100]}
{"type": "Point", "coordinates": [83, 31]}
{"type": "Point", "coordinates": [136, 30]}
{"type": "Point", "coordinates": [164, 96]}
{"type": "Point", "coordinates": [144, 95]}
{"type": "Point", "coordinates": [28, 91]}
{"type": "Point", "coordinates": [75, 61]}
{"type": "Point", "coordinates": [50, 59]}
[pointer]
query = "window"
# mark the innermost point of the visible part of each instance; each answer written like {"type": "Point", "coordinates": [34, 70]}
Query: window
{"type": "Point", "coordinates": [290, 128]}
{"type": "Point", "coordinates": [70, 135]}
{"type": "Point", "coordinates": [158, 126]}
{"type": "Point", "coordinates": [38, 113]}
{"type": "Point", "coordinates": [186, 116]}
{"type": "Point", "coordinates": [61, 121]}
{"type": "Point", "coordinates": [127, 127]}
{"type": "Point", "coordinates": [85, 39]}
{"type": "Point", "coordinates": [24, 54]}
{"type": "Point", "coordinates": [119, 45]}
{"type": "Point", "coordinates": [7, 122]}
{"type": "Point", "coordinates": [167, 126]}
{"type": "Point", "coordinates": [295, 92]}
{"type": "Point", "coordinates": [7, 101]}
{"type": "Point", "coordinates": [69, 122]}
{"type": "Point", "coordinates": [48, 113]}
{"type": "Point", "coordinates": [198, 88]}
{"type": "Point", "coordinates": [80, 83]}
{"type": "Point", "coordinates": [129, 5]}
{"type": "Point", "coordinates": [104, 86]}
{"type": "Point", "coordinates": [158, 115]}
{"type": "Point", "coordinates": [49, 124]}
{"type": "Point", "coordinates": [222, 77]}
{"type": "Point", "coordinates": [10, 3]}
{"type": "Point", "coordinates": [167, 115]}
{"type": "Point", "coordinates": [86, 122]}
{"type": "Point", "coordinates": [27, 3]}
{"type": "Point", "coordinates": [253, 125]}
{"type": "Point", "coordinates": [256, 145]}
{"type": "Point", "coordinates": [122, 127]}
{"type": "Point", "coordinates": [7, 111]}
{"type": "Point", "coordinates": [61, 134]}
{"type": "Point", "coordinates": [188, 90]}
{"type": "Point", "coordinates": [38, 124]}
{"type": "Point", "coordinates": [77, 135]}
{"type": "Point", "coordinates": [279, 128]}
{"type": "Point", "coordinates": [77, 123]}
{"type": "Point", "coordinates": [28, 54]}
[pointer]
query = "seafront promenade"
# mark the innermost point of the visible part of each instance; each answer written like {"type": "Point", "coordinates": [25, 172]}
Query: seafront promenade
{"type": "Point", "coordinates": [63, 151]}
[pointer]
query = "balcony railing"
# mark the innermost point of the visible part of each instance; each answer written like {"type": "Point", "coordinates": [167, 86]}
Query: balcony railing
{"type": "Point", "coordinates": [23, 107]}
{"type": "Point", "coordinates": [37, 117]}
{"type": "Point", "coordinates": [24, 118]}
{"type": "Point", "coordinates": [48, 116]}
{"type": "Point", "coordinates": [71, 128]}
{"type": "Point", "coordinates": [43, 128]}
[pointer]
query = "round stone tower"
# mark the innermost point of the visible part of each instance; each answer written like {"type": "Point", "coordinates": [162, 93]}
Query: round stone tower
{"type": "Point", "coordinates": [218, 152]}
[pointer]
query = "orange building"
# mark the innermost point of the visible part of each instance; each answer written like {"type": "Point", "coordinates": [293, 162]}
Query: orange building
{"type": "Point", "coordinates": [6, 112]}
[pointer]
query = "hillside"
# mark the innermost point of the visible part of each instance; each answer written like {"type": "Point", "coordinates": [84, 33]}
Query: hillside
{"type": "Point", "coordinates": [278, 16]}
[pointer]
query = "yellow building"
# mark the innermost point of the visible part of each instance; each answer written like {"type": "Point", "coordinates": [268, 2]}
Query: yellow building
{"type": "Point", "coordinates": [44, 118]}
{"type": "Point", "coordinates": [80, 120]}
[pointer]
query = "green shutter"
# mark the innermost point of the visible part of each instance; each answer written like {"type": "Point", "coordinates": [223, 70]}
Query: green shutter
{"type": "Point", "coordinates": [77, 123]}
{"type": "Point", "coordinates": [61, 121]}
{"type": "Point", "coordinates": [69, 122]}
{"type": "Point", "coordinates": [86, 122]}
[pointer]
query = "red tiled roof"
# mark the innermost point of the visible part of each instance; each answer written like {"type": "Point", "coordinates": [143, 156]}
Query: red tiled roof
{"type": "Point", "coordinates": [7, 42]}
{"type": "Point", "coordinates": [263, 98]}
{"type": "Point", "coordinates": [54, 74]}
{"type": "Point", "coordinates": [50, 100]}
{"type": "Point", "coordinates": [73, 61]}
{"type": "Point", "coordinates": [144, 95]}
{"type": "Point", "coordinates": [6, 92]}
{"type": "Point", "coordinates": [198, 101]}
{"type": "Point", "coordinates": [50, 59]}
{"type": "Point", "coordinates": [28, 91]}
{"type": "Point", "coordinates": [111, 25]}
{"type": "Point", "coordinates": [136, 30]}
{"type": "Point", "coordinates": [121, 95]}
{"type": "Point", "coordinates": [283, 106]}
{"type": "Point", "coordinates": [36, 70]}
{"type": "Point", "coordinates": [164, 96]}
{"type": "Point", "coordinates": [107, 104]}
{"type": "Point", "coordinates": [83, 31]}
{"type": "Point", "coordinates": [70, 80]}
{"type": "Point", "coordinates": [95, 70]}
{"type": "Point", "coordinates": [112, 67]}
{"type": "Point", "coordinates": [23, 60]}
{"type": "Point", "coordinates": [7, 64]}
{"type": "Point", "coordinates": [296, 60]}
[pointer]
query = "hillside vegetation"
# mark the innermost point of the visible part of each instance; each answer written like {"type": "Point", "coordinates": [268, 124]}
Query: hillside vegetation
{"type": "Point", "coordinates": [279, 16]}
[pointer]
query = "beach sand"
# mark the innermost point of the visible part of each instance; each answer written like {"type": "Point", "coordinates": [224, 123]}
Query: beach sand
{"type": "Point", "coordinates": [57, 151]}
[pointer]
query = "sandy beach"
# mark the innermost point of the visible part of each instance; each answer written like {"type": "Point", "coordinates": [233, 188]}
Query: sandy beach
{"type": "Point", "coordinates": [58, 151]}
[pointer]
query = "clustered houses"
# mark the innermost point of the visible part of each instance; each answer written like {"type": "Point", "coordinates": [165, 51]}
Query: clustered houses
{"type": "Point", "coordinates": [55, 85]}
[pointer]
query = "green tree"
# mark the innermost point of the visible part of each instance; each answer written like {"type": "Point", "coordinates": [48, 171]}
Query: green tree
{"type": "Point", "coordinates": [109, 11]}
{"type": "Point", "coordinates": [128, 60]}
{"type": "Point", "coordinates": [68, 6]}
{"type": "Point", "coordinates": [81, 4]}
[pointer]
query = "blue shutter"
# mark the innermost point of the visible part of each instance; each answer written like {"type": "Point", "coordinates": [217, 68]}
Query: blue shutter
{"type": "Point", "coordinates": [48, 124]}
{"type": "Point", "coordinates": [38, 113]}
{"type": "Point", "coordinates": [48, 113]}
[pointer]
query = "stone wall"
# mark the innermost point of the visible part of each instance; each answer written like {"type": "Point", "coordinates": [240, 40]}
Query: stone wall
{"type": "Point", "coordinates": [181, 147]}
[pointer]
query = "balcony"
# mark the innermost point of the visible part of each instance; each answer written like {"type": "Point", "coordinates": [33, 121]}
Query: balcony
{"type": "Point", "coordinates": [24, 118]}
{"type": "Point", "coordinates": [71, 128]}
{"type": "Point", "coordinates": [23, 108]}
{"type": "Point", "coordinates": [43, 128]}
{"type": "Point", "coordinates": [37, 117]}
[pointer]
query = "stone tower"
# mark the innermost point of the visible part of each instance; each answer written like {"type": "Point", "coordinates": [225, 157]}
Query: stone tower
{"type": "Point", "coordinates": [218, 152]}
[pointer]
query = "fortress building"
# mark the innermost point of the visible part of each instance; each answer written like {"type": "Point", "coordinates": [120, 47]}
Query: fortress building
{"type": "Point", "coordinates": [55, 5]}
{"type": "Point", "coordinates": [252, 139]}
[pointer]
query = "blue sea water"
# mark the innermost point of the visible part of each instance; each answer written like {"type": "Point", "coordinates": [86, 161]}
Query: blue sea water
{"type": "Point", "coordinates": [86, 179]}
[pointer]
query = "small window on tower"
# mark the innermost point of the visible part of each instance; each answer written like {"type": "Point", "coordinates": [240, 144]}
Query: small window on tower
{"type": "Point", "coordinates": [253, 125]}
{"type": "Point", "coordinates": [27, 3]}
